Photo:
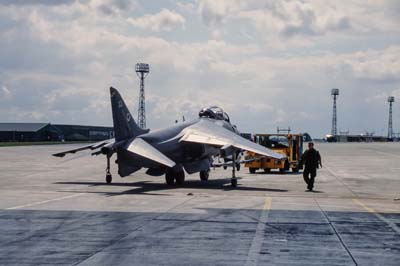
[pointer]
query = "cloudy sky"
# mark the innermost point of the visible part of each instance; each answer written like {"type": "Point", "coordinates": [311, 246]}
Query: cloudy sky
{"type": "Point", "coordinates": [267, 63]}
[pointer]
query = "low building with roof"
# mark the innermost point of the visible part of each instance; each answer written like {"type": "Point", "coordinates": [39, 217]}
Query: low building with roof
{"type": "Point", "coordinates": [85, 133]}
{"type": "Point", "coordinates": [20, 132]}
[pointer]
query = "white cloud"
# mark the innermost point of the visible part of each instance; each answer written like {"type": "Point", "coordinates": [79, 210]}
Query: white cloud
{"type": "Point", "coordinates": [214, 12]}
{"type": "Point", "coordinates": [283, 23]}
{"type": "Point", "coordinates": [186, 7]}
{"type": "Point", "coordinates": [378, 65]}
{"type": "Point", "coordinates": [60, 61]}
{"type": "Point", "coordinates": [5, 92]}
{"type": "Point", "coordinates": [165, 20]}
{"type": "Point", "coordinates": [113, 7]}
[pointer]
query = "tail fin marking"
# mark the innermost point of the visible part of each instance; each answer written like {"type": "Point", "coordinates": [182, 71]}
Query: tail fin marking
{"type": "Point", "coordinates": [125, 126]}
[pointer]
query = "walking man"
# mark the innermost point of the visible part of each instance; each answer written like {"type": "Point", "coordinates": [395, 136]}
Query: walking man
{"type": "Point", "coordinates": [310, 159]}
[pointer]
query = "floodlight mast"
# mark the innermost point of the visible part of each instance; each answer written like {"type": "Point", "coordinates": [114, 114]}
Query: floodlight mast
{"type": "Point", "coordinates": [390, 124]}
{"type": "Point", "coordinates": [335, 94]}
{"type": "Point", "coordinates": [142, 70]}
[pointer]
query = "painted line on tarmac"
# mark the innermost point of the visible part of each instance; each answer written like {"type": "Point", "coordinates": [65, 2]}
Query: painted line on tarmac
{"type": "Point", "coordinates": [371, 210]}
{"type": "Point", "coordinates": [135, 231]}
{"type": "Point", "coordinates": [256, 244]}
{"type": "Point", "coordinates": [336, 233]}
{"type": "Point", "coordinates": [339, 180]}
{"type": "Point", "coordinates": [45, 201]}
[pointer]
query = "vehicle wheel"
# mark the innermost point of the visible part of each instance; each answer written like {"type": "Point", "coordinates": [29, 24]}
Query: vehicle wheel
{"type": "Point", "coordinates": [180, 178]}
{"type": "Point", "coordinates": [267, 170]}
{"type": "Point", "coordinates": [282, 171]}
{"type": "Point", "coordinates": [169, 178]}
{"type": "Point", "coordinates": [225, 167]}
{"type": "Point", "coordinates": [295, 170]}
{"type": "Point", "coordinates": [252, 170]}
{"type": "Point", "coordinates": [287, 165]}
{"type": "Point", "coordinates": [234, 182]}
{"type": "Point", "coordinates": [238, 167]}
{"type": "Point", "coordinates": [204, 175]}
{"type": "Point", "coordinates": [108, 178]}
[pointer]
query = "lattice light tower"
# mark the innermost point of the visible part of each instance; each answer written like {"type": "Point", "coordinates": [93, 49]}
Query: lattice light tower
{"type": "Point", "coordinates": [142, 70]}
{"type": "Point", "coordinates": [390, 125]}
{"type": "Point", "coordinates": [335, 94]}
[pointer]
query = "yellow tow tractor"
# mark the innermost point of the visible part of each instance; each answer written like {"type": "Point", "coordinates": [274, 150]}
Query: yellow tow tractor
{"type": "Point", "coordinates": [290, 145]}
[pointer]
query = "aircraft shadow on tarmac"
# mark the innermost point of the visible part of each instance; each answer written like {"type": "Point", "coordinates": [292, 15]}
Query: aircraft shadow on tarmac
{"type": "Point", "coordinates": [146, 187]}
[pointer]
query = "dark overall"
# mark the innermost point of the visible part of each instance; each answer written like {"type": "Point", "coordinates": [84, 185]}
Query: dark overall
{"type": "Point", "coordinates": [310, 159]}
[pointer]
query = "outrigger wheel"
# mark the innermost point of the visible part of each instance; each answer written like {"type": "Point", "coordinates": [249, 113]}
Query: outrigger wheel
{"type": "Point", "coordinates": [108, 173]}
{"type": "Point", "coordinates": [108, 178]}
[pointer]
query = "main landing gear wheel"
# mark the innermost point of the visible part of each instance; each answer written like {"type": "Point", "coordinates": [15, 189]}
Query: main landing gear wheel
{"type": "Point", "coordinates": [180, 178]}
{"type": "Point", "coordinates": [169, 178]}
{"type": "Point", "coordinates": [204, 175]}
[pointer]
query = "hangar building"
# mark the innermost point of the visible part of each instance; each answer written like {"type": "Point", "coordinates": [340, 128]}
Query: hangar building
{"type": "Point", "coordinates": [17, 132]}
{"type": "Point", "coordinates": [83, 133]}
{"type": "Point", "coordinates": [27, 132]}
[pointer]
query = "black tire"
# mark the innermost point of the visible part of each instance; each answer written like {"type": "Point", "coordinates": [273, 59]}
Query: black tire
{"type": "Point", "coordinates": [267, 170]}
{"type": "Point", "coordinates": [295, 170]}
{"type": "Point", "coordinates": [225, 167]}
{"type": "Point", "coordinates": [180, 178]}
{"type": "Point", "coordinates": [169, 178]}
{"type": "Point", "coordinates": [252, 170]}
{"type": "Point", "coordinates": [282, 171]}
{"type": "Point", "coordinates": [287, 165]}
{"type": "Point", "coordinates": [238, 167]}
{"type": "Point", "coordinates": [234, 182]}
{"type": "Point", "coordinates": [204, 175]}
{"type": "Point", "coordinates": [108, 178]}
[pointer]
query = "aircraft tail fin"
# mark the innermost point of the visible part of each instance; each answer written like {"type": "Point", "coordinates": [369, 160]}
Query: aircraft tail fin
{"type": "Point", "coordinates": [125, 126]}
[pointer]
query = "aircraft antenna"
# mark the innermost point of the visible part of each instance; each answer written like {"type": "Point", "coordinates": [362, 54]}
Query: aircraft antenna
{"type": "Point", "coordinates": [390, 124]}
{"type": "Point", "coordinates": [335, 94]}
{"type": "Point", "coordinates": [142, 70]}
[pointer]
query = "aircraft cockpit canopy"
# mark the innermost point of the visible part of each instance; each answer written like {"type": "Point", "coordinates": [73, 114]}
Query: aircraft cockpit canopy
{"type": "Point", "coordinates": [214, 112]}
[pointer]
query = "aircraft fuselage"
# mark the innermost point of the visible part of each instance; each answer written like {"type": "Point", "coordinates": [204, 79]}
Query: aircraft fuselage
{"type": "Point", "coordinates": [194, 157]}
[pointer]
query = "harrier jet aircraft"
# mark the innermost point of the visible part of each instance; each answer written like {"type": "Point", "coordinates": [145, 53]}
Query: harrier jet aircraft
{"type": "Point", "coordinates": [188, 146]}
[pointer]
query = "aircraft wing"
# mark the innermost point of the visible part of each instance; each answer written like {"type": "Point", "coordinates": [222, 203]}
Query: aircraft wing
{"type": "Point", "coordinates": [208, 132]}
{"type": "Point", "coordinates": [92, 146]}
{"type": "Point", "coordinates": [144, 149]}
